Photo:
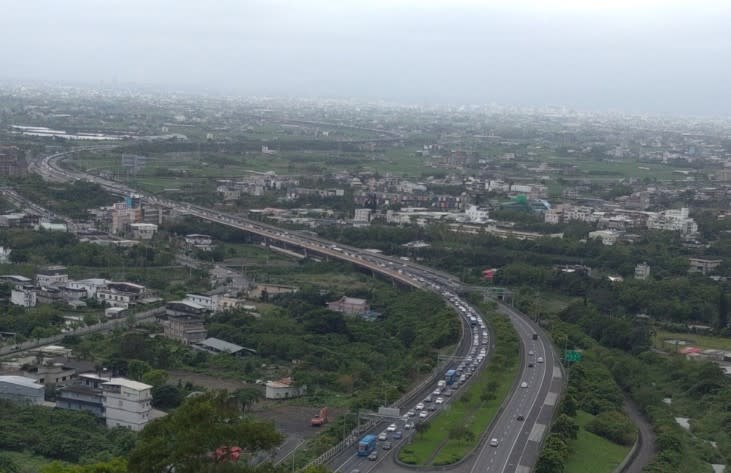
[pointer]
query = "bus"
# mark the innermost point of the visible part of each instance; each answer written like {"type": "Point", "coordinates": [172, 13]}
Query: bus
{"type": "Point", "coordinates": [450, 377]}
{"type": "Point", "coordinates": [366, 445]}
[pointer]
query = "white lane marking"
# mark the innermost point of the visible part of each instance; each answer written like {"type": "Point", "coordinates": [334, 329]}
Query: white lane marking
{"type": "Point", "coordinates": [551, 399]}
{"type": "Point", "coordinates": [537, 433]}
{"type": "Point", "coordinates": [536, 391]}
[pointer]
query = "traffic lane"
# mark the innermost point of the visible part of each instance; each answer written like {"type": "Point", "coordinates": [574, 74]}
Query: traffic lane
{"type": "Point", "coordinates": [524, 403]}
{"type": "Point", "coordinates": [505, 426]}
{"type": "Point", "coordinates": [540, 416]}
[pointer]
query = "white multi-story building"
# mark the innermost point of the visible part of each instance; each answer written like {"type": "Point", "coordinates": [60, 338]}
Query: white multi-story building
{"type": "Point", "coordinates": [51, 276]}
{"type": "Point", "coordinates": [24, 296]}
{"type": "Point", "coordinates": [608, 237]}
{"type": "Point", "coordinates": [143, 231]}
{"type": "Point", "coordinates": [202, 300]}
{"type": "Point", "coordinates": [126, 403]}
{"type": "Point", "coordinates": [642, 271]}
{"type": "Point", "coordinates": [673, 220]}
{"type": "Point", "coordinates": [362, 216]}
{"type": "Point", "coordinates": [89, 285]}
{"type": "Point", "coordinates": [477, 214]}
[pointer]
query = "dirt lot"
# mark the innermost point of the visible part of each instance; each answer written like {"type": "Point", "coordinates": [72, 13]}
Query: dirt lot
{"type": "Point", "coordinates": [208, 381]}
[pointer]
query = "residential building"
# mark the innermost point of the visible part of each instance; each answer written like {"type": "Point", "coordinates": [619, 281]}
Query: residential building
{"type": "Point", "coordinates": [673, 220]}
{"type": "Point", "coordinates": [477, 214]}
{"type": "Point", "coordinates": [12, 161]}
{"type": "Point", "coordinates": [199, 241]}
{"type": "Point", "coordinates": [24, 296]}
{"type": "Point", "coordinates": [703, 266]}
{"type": "Point", "coordinates": [184, 322]}
{"type": "Point", "coordinates": [126, 403]}
{"type": "Point", "coordinates": [51, 276]}
{"type": "Point", "coordinates": [608, 237]}
{"type": "Point", "coordinates": [642, 271]}
{"type": "Point", "coordinates": [283, 389]}
{"type": "Point", "coordinates": [143, 231]}
{"type": "Point", "coordinates": [349, 305]}
{"type": "Point", "coordinates": [201, 300]}
{"type": "Point", "coordinates": [19, 220]}
{"type": "Point", "coordinates": [362, 216]}
{"type": "Point", "coordinates": [215, 345]}
{"type": "Point", "coordinates": [83, 394]}
{"type": "Point", "coordinates": [21, 389]}
{"type": "Point", "coordinates": [91, 286]}
{"type": "Point", "coordinates": [121, 294]}
{"type": "Point", "coordinates": [5, 255]}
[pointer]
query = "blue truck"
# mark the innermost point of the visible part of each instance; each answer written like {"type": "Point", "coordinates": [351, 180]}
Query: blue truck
{"type": "Point", "coordinates": [450, 377]}
{"type": "Point", "coordinates": [366, 445]}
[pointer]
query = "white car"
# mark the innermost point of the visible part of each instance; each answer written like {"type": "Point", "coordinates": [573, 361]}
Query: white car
{"type": "Point", "coordinates": [540, 359]}
{"type": "Point", "coordinates": [383, 436]}
{"type": "Point", "coordinates": [408, 426]}
{"type": "Point", "coordinates": [391, 428]}
{"type": "Point", "coordinates": [420, 406]}
{"type": "Point", "coordinates": [423, 414]}
{"type": "Point", "coordinates": [411, 413]}
{"type": "Point", "coordinates": [494, 442]}
{"type": "Point", "coordinates": [523, 384]}
{"type": "Point", "coordinates": [530, 353]}
{"type": "Point", "coordinates": [439, 400]}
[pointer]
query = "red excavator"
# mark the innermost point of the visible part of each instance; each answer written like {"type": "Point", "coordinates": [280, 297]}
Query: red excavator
{"type": "Point", "coordinates": [320, 418]}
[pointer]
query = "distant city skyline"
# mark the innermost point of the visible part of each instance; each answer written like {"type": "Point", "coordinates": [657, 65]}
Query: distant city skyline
{"type": "Point", "coordinates": [671, 57]}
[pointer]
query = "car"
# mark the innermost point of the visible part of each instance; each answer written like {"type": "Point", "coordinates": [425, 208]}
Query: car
{"type": "Point", "coordinates": [409, 425]}
{"type": "Point", "coordinates": [428, 398]}
{"type": "Point", "coordinates": [448, 392]}
{"type": "Point", "coordinates": [355, 470]}
{"type": "Point", "coordinates": [398, 434]}
{"type": "Point", "coordinates": [439, 400]}
{"type": "Point", "coordinates": [423, 414]}
{"type": "Point", "coordinates": [530, 365]}
{"type": "Point", "coordinates": [391, 428]}
{"type": "Point", "coordinates": [437, 392]}
{"type": "Point", "coordinates": [521, 418]}
{"type": "Point", "coordinates": [411, 413]}
{"type": "Point", "coordinates": [386, 446]}
{"type": "Point", "coordinates": [530, 353]}
{"type": "Point", "coordinates": [494, 442]}
{"type": "Point", "coordinates": [431, 407]}
{"type": "Point", "coordinates": [373, 456]}
{"type": "Point", "coordinates": [383, 436]}
{"type": "Point", "coordinates": [523, 384]}
{"type": "Point", "coordinates": [540, 359]}
{"type": "Point", "coordinates": [420, 406]}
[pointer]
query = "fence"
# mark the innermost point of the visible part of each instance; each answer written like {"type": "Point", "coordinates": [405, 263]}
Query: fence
{"type": "Point", "coordinates": [100, 327]}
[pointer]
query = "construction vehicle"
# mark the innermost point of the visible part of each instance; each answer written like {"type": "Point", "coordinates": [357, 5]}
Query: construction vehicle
{"type": "Point", "coordinates": [320, 418]}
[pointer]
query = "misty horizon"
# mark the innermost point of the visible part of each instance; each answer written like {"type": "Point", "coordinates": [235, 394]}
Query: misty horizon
{"type": "Point", "coordinates": [655, 58]}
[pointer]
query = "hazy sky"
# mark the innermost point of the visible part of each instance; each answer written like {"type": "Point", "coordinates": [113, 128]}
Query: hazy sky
{"type": "Point", "coordinates": [653, 56]}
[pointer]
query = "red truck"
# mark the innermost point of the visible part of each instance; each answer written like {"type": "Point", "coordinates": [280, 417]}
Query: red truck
{"type": "Point", "coordinates": [320, 418]}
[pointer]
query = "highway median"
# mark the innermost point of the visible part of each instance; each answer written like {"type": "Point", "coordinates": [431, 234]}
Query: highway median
{"type": "Point", "coordinates": [457, 430]}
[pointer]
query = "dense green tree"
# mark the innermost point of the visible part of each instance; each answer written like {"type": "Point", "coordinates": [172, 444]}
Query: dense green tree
{"type": "Point", "coordinates": [185, 439]}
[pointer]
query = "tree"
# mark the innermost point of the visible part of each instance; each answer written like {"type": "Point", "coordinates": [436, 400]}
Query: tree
{"type": "Point", "coordinates": [7, 465]}
{"type": "Point", "coordinates": [166, 396]}
{"type": "Point", "coordinates": [136, 369]}
{"type": "Point", "coordinates": [184, 440]}
{"type": "Point", "coordinates": [565, 427]}
{"type": "Point", "coordinates": [155, 377]}
{"type": "Point", "coordinates": [722, 310]}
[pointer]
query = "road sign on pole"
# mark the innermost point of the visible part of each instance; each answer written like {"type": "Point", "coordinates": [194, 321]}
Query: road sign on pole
{"type": "Point", "coordinates": [572, 356]}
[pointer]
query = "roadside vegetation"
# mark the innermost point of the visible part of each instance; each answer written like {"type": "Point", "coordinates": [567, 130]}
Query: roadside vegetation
{"type": "Point", "coordinates": [458, 429]}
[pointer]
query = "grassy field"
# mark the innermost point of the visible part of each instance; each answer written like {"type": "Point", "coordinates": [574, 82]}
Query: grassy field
{"type": "Point", "coordinates": [435, 445]}
{"type": "Point", "coordinates": [602, 170]}
{"type": "Point", "coordinates": [692, 339]}
{"type": "Point", "coordinates": [589, 452]}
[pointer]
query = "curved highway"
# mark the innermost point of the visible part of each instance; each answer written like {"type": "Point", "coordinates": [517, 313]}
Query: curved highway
{"type": "Point", "coordinates": [516, 442]}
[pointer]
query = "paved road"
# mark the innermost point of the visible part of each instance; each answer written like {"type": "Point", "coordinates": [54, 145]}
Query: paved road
{"type": "Point", "coordinates": [646, 449]}
{"type": "Point", "coordinates": [519, 440]}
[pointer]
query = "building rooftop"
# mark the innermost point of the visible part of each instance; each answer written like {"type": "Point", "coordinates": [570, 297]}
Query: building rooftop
{"type": "Point", "coordinates": [21, 381]}
{"type": "Point", "coordinates": [221, 345]}
{"type": "Point", "coordinates": [128, 383]}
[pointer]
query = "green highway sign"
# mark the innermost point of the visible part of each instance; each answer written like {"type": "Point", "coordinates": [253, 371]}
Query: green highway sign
{"type": "Point", "coordinates": [572, 356]}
